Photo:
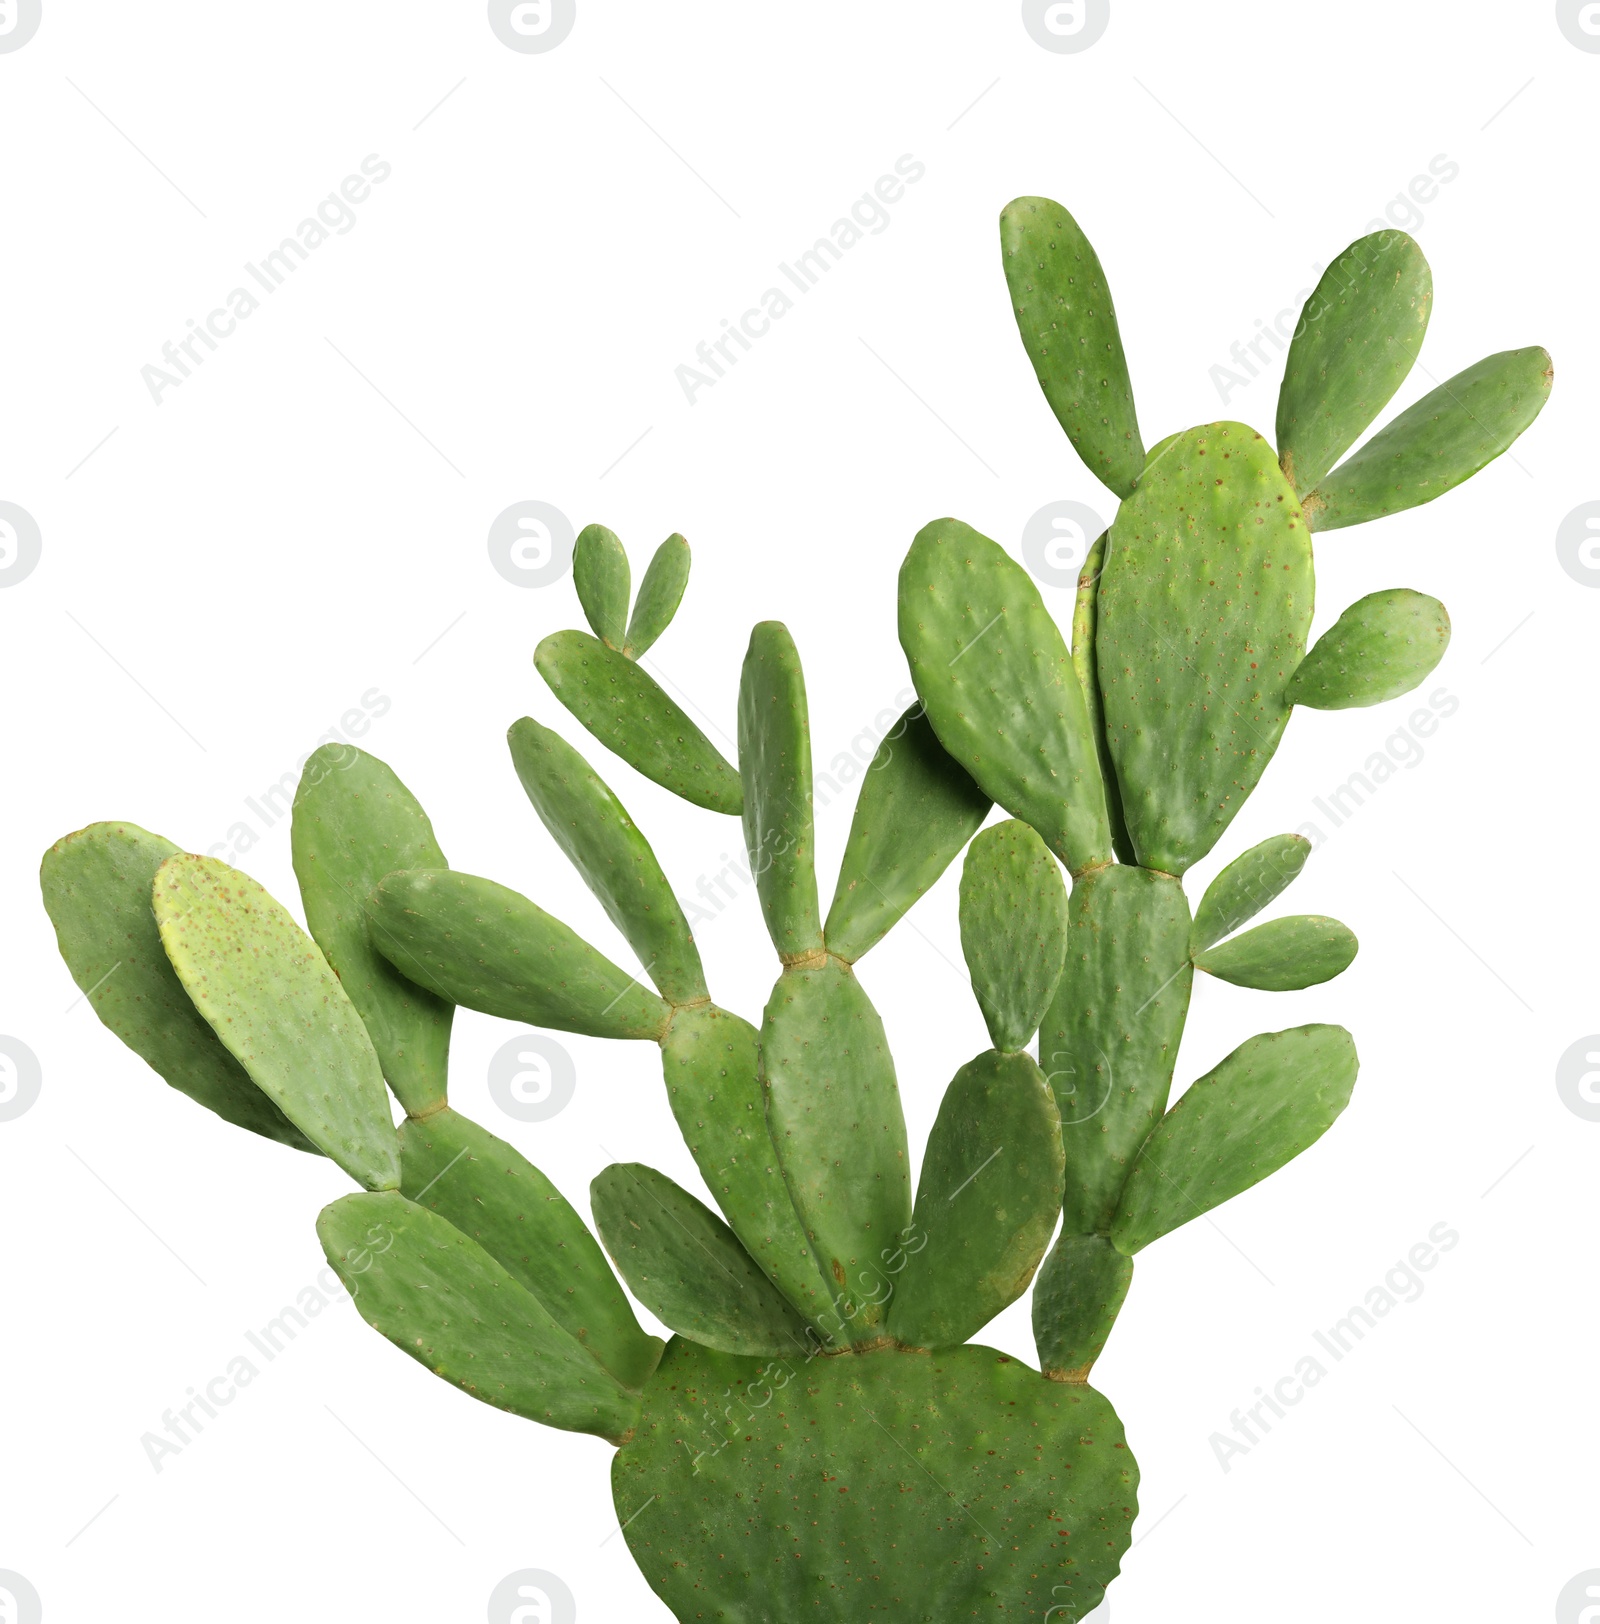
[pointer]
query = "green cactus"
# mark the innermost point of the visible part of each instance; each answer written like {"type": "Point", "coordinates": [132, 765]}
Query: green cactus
{"type": "Point", "coordinates": [821, 1438]}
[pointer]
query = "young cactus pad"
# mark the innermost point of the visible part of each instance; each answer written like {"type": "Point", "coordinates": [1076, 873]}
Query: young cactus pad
{"type": "Point", "coordinates": [820, 1438]}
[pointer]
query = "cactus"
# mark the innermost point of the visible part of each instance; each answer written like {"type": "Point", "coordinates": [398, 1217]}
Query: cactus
{"type": "Point", "coordinates": [821, 1437]}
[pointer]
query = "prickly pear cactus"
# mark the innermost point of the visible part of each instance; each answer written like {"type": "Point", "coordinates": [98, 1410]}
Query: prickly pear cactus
{"type": "Point", "coordinates": [821, 1438]}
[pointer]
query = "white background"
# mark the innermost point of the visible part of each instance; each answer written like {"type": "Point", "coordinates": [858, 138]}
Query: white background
{"type": "Point", "coordinates": [234, 568]}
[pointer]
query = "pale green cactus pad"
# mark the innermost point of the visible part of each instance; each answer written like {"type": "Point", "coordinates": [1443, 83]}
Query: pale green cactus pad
{"type": "Point", "coordinates": [279, 1010]}
{"type": "Point", "coordinates": [821, 1439]}
{"type": "Point", "coordinates": [97, 887]}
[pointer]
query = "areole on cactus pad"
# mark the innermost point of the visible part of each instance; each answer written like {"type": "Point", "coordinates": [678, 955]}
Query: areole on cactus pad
{"type": "Point", "coordinates": [821, 1438]}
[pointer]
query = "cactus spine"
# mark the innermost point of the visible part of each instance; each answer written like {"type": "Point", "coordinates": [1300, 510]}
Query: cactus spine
{"type": "Point", "coordinates": [822, 1318]}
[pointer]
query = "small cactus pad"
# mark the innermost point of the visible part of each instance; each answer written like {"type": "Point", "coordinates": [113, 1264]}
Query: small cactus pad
{"type": "Point", "coordinates": [1382, 646]}
{"type": "Point", "coordinates": [775, 768]}
{"type": "Point", "coordinates": [1013, 929]}
{"type": "Point", "coordinates": [1356, 342]}
{"type": "Point", "coordinates": [629, 712]}
{"type": "Point", "coordinates": [600, 573]}
{"type": "Point", "coordinates": [687, 1267]}
{"type": "Point", "coordinates": [268, 993]}
{"type": "Point", "coordinates": [438, 1296]}
{"type": "Point", "coordinates": [917, 808]}
{"type": "Point", "coordinates": [833, 1107]}
{"type": "Point", "coordinates": [1246, 886]}
{"type": "Point", "coordinates": [987, 1202]}
{"type": "Point", "coordinates": [1430, 448]}
{"type": "Point", "coordinates": [1069, 329]}
{"type": "Point", "coordinates": [660, 593]}
{"type": "Point", "coordinates": [489, 948]}
{"type": "Point", "coordinates": [1272, 1098]}
{"type": "Point", "coordinates": [491, 1192]}
{"type": "Point", "coordinates": [1205, 603]}
{"type": "Point", "coordinates": [354, 822]}
{"type": "Point", "coordinates": [1283, 955]}
{"type": "Point", "coordinates": [954, 1485]}
{"type": "Point", "coordinates": [1110, 1037]}
{"type": "Point", "coordinates": [1085, 630]}
{"type": "Point", "coordinates": [1080, 1291]}
{"type": "Point", "coordinates": [712, 1072]}
{"type": "Point", "coordinates": [604, 844]}
{"type": "Point", "coordinates": [998, 685]}
{"type": "Point", "coordinates": [97, 886]}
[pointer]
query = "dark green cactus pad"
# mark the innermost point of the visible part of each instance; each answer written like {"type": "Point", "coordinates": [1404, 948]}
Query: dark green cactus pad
{"type": "Point", "coordinates": [712, 1071]}
{"type": "Point", "coordinates": [1272, 1098]}
{"type": "Point", "coordinates": [833, 1108]}
{"type": "Point", "coordinates": [1246, 886]}
{"type": "Point", "coordinates": [987, 1202]}
{"type": "Point", "coordinates": [604, 844]}
{"type": "Point", "coordinates": [1382, 646]}
{"type": "Point", "coordinates": [438, 1296]}
{"type": "Point", "coordinates": [1076, 1300]}
{"type": "Point", "coordinates": [1013, 929]}
{"type": "Point", "coordinates": [1069, 329]}
{"type": "Point", "coordinates": [97, 885]}
{"type": "Point", "coordinates": [660, 593]}
{"type": "Point", "coordinates": [997, 683]}
{"type": "Point", "coordinates": [1205, 603]}
{"type": "Point", "coordinates": [1430, 448]}
{"type": "Point", "coordinates": [489, 948]}
{"type": "Point", "coordinates": [600, 573]}
{"type": "Point", "coordinates": [354, 822]}
{"type": "Point", "coordinates": [490, 1191]}
{"type": "Point", "coordinates": [1110, 1037]}
{"type": "Point", "coordinates": [1085, 629]}
{"type": "Point", "coordinates": [917, 808]}
{"type": "Point", "coordinates": [775, 769]}
{"type": "Point", "coordinates": [893, 1486]}
{"type": "Point", "coordinates": [1356, 343]}
{"type": "Point", "coordinates": [1283, 955]}
{"type": "Point", "coordinates": [629, 712]}
{"type": "Point", "coordinates": [279, 1010]}
{"type": "Point", "coordinates": [687, 1267]}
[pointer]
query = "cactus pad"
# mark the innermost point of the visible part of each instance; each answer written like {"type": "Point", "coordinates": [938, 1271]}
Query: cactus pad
{"type": "Point", "coordinates": [270, 997]}
{"type": "Point", "coordinates": [97, 886]}
{"type": "Point", "coordinates": [955, 1485]}
{"type": "Point", "coordinates": [438, 1296]}
{"type": "Point", "coordinates": [1205, 603]}
{"type": "Point", "coordinates": [995, 677]}
{"type": "Point", "coordinates": [629, 712]}
{"type": "Point", "coordinates": [687, 1267]}
{"type": "Point", "coordinates": [917, 808]}
{"type": "Point", "coordinates": [492, 1193]}
{"type": "Point", "coordinates": [987, 1202]}
{"type": "Point", "coordinates": [1355, 344]}
{"type": "Point", "coordinates": [354, 822]}
{"type": "Point", "coordinates": [1382, 646]}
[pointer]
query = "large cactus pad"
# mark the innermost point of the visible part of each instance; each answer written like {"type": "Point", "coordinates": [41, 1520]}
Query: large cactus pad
{"type": "Point", "coordinates": [894, 1486]}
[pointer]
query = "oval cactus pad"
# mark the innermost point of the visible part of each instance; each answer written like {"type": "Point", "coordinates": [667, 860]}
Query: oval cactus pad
{"type": "Point", "coordinates": [269, 994]}
{"type": "Point", "coordinates": [1205, 603]}
{"type": "Point", "coordinates": [993, 672]}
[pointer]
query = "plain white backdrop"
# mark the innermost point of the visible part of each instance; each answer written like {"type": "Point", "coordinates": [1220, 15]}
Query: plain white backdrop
{"type": "Point", "coordinates": [294, 538]}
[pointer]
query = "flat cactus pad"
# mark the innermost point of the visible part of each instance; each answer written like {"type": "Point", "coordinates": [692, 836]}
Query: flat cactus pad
{"type": "Point", "coordinates": [896, 1486]}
